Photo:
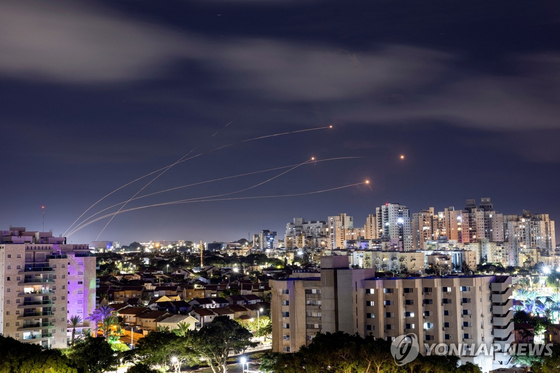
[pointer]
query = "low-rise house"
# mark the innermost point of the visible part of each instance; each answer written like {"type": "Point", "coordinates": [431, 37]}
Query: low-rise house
{"type": "Point", "coordinates": [203, 315]}
{"type": "Point", "coordinates": [193, 291]}
{"type": "Point", "coordinates": [172, 322]}
{"type": "Point", "coordinates": [148, 320]}
{"type": "Point", "coordinates": [224, 311]}
{"type": "Point", "coordinates": [130, 314]}
{"type": "Point", "coordinates": [209, 302]}
{"type": "Point", "coordinates": [126, 292]}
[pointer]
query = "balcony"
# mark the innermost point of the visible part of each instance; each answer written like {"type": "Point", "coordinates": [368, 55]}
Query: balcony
{"type": "Point", "coordinates": [37, 270]}
{"type": "Point", "coordinates": [501, 310]}
{"type": "Point", "coordinates": [35, 281]}
{"type": "Point", "coordinates": [42, 303]}
{"type": "Point", "coordinates": [35, 315]}
{"type": "Point", "coordinates": [36, 338]}
{"type": "Point", "coordinates": [38, 325]}
{"type": "Point", "coordinates": [37, 293]}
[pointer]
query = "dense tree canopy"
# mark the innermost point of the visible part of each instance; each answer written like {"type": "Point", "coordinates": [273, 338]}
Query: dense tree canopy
{"type": "Point", "coordinates": [93, 355]}
{"type": "Point", "coordinates": [157, 349]}
{"type": "Point", "coordinates": [216, 340]}
{"type": "Point", "coordinates": [344, 353]}
{"type": "Point", "coordinates": [31, 358]}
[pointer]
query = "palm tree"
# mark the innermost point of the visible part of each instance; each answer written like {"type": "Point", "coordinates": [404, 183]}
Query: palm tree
{"type": "Point", "coordinates": [182, 329]}
{"type": "Point", "coordinates": [74, 321]}
{"type": "Point", "coordinates": [103, 315]}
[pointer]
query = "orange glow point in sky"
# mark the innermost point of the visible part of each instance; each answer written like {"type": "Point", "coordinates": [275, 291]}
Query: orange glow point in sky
{"type": "Point", "coordinates": [402, 156]}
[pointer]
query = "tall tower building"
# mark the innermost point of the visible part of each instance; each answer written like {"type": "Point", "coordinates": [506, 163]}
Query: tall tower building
{"type": "Point", "coordinates": [43, 282]}
{"type": "Point", "coordinates": [424, 228]}
{"type": "Point", "coordinates": [370, 228]}
{"type": "Point", "coordinates": [393, 221]}
{"type": "Point", "coordinates": [340, 227]}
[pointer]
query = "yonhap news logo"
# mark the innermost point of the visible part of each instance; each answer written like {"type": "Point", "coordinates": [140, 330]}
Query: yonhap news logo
{"type": "Point", "coordinates": [405, 348]}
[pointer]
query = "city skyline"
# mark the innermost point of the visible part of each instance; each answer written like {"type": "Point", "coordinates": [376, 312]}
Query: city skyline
{"type": "Point", "coordinates": [102, 93]}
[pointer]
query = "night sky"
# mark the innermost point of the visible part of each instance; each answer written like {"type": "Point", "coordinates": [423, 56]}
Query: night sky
{"type": "Point", "coordinates": [97, 94]}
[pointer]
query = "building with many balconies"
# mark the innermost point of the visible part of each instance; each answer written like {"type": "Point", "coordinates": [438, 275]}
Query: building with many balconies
{"type": "Point", "coordinates": [461, 310]}
{"type": "Point", "coordinates": [43, 283]}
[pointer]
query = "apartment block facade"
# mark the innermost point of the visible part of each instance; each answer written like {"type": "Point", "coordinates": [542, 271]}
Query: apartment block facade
{"type": "Point", "coordinates": [43, 282]}
{"type": "Point", "coordinates": [468, 310]}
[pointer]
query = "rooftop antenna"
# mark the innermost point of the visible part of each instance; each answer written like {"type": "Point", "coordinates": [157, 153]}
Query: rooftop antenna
{"type": "Point", "coordinates": [43, 226]}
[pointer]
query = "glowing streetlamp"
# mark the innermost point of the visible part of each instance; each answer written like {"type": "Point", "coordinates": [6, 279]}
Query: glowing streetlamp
{"type": "Point", "coordinates": [175, 363]}
{"type": "Point", "coordinates": [244, 361]}
{"type": "Point", "coordinates": [259, 318]}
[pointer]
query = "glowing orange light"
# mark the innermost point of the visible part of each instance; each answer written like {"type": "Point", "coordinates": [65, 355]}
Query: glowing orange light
{"type": "Point", "coordinates": [330, 126]}
{"type": "Point", "coordinates": [367, 181]}
{"type": "Point", "coordinates": [402, 156]}
{"type": "Point", "coordinates": [312, 158]}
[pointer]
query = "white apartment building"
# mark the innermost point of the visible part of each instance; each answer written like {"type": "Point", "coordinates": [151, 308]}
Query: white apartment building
{"type": "Point", "coordinates": [385, 260]}
{"type": "Point", "coordinates": [468, 310]}
{"type": "Point", "coordinates": [300, 233]}
{"type": "Point", "coordinates": [424, 228]}
{"type": "Point", "coordinates": [43, 282]}
{"type": "Point", "coordinates": [341, 228]}
{"type": "Point", "coordinates": [393, 221]}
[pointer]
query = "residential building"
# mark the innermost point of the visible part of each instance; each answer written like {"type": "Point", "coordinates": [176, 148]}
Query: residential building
{"type": "Point", "coordinates": [43, 283]}
{"type": "Point", "coordinates": [340, 229]}
{"type": "Point", "coordinates": [393, 222]}
{"type": "Point", "coordinates": [461, 309]}
{"type": "Point", "coordinates": [424, 228]}
{"type": "Point", "coordinates": [371, 229]}
{"type": "Point", "coordinates": [300, 233]}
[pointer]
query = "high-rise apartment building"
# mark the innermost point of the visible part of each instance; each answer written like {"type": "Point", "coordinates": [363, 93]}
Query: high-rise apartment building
{"type": "Point", "coordinates": [266, 240]}
{"type": "Point", "coordinates": [43, 282]}
{"type": "Point", "coordinates": [469, 310]}
{"type": "Point", "coordinates": [529, 232]}
{"type": "Point", "coordinates": [371, 229]}
{"type": "Point", "coordinates": [393, 222]}
{"type": "Point", "coordinates": [340, 229]}
{"type": "Point", "coordinates": [424, 228]}
{"type": "Point", "coordinates": [301, 233]}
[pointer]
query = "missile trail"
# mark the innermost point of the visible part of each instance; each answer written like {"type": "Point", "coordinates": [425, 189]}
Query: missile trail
{"type": "Point", "coordinates": [218, 199]}
{"type": "Point", "coordinates": [287, 133]}
{"type": "Point", "coordinates": [216, 195]}
{"type": "Point", "coordinates": [207, 182]}
{"type": "Point", "coordinates": [183, 159]}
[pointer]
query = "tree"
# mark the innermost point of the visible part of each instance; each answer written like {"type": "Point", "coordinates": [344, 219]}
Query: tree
{"type": "Point", "coordinates": [93, 355]}
{"type": "Point", "coordinates": [31, 358]}
{"type": "Point", "coordinates": [216, 340]}
{"type": "Point", "coordinates": [103, 315]}
{"type": "Point", "coordinates": [74, 321]}
{"type": "Point", "coordinates": [182, 329]}
{"type": "Point", "coordinates": [157, 348]}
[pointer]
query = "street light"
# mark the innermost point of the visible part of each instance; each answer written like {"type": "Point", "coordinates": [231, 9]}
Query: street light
{"type": "Point", "coordinates": [244, 361]}
{"type": "Point", "coordinates": [175, 363]}
{"type": "Point", "coordinates": [259, 318]}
